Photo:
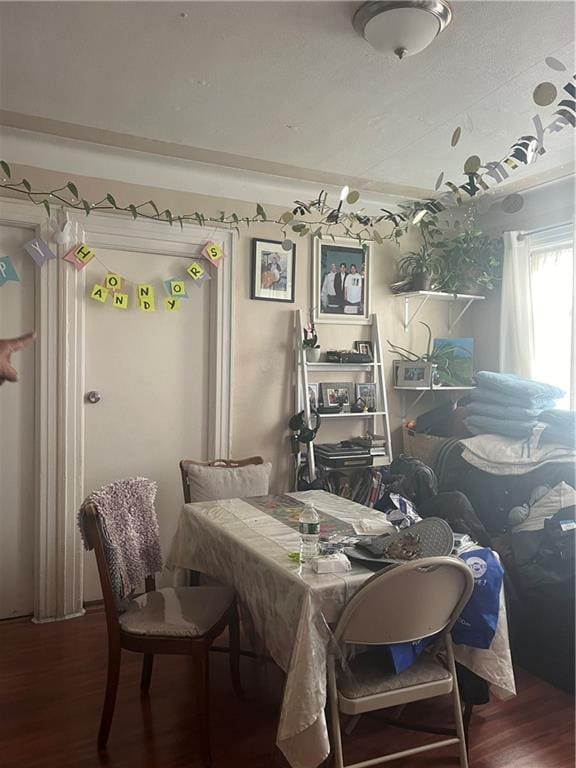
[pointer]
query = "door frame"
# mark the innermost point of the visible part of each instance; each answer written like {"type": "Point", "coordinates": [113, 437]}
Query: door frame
{"type": "Point", "coordinates": [60, 368]}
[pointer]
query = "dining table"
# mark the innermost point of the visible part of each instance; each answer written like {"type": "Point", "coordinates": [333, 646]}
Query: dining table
{"type": "Point", "coordinates": [246, 543]}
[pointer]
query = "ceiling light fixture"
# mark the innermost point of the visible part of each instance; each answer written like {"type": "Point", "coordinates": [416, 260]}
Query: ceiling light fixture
{"type": "Point", "coordinates": [404, 27]}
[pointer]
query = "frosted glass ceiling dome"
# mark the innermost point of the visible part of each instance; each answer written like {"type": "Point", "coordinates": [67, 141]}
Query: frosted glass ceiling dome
{"type": "Point", "coordinates": [402, 27]}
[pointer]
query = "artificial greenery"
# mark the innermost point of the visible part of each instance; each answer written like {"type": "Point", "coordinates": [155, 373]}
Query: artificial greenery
{"type": "Point", "coordinates": [316, 217]}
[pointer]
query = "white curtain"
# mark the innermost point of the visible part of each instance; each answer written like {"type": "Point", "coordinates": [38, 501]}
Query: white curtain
{"type": "Point", "coordinates": [537, 334]}
{"type": "Point", "coordinates": [516, 316]}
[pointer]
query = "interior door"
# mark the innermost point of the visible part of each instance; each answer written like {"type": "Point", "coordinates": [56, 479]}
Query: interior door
{"type": "Point", "coordinates": [17, 468]}
{"type": "Point", "coordinates": [149, 375]}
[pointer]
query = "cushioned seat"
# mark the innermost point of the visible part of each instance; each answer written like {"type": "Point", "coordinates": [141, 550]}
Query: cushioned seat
{"type": "Point", "coordinates": [176, 612]}
{"type": "Point", "coordinates": [367, 675]}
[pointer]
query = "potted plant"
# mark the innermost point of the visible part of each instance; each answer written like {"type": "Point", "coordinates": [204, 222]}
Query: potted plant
{"type": "Point", "coordinates": [471, 262]}
{"type": "Point", "coordinates": [448, 367]}
{"type": "Point", "coordinates": [310, 340]}
{"type": "Point", "coordinates": [421, 267]}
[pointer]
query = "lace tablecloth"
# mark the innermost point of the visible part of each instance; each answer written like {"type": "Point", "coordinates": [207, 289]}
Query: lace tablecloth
{"type": "Point", "coordinates": [289, 605]}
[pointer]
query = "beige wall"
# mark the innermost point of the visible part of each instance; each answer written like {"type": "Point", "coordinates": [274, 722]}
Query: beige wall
{"type": "Point", "coordinates": [263, 376]}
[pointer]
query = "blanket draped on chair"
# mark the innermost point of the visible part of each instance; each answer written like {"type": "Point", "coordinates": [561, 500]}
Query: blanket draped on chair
{"type": "Point", "coordinates": [129, 527]}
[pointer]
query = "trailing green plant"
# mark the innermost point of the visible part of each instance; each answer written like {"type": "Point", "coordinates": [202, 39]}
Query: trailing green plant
{"type": "Point", "coordinates": [471, 262]}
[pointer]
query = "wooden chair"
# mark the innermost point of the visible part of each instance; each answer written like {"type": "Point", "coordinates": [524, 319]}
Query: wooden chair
{"type": "Point", "coordinates": [412, 601]}
{"type": "Point", "coordinates": [149, 626]}
{"type": "Point", "coordinates": [228, 463]}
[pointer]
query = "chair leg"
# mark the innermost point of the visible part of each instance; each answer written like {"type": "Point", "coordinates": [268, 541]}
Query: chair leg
{"type": "Point", "coordinates": [460, 730]}
{"type": "Point", "coordinates": [114, 655]}
{"type": "Point", "coordinates": [146, 678]}
{"type": "Point", "coordinates": [234, 631]}
{"type": "Point", "coordinates": [202, 680]}
{"type": "Point", "coordinates": [334, 715]}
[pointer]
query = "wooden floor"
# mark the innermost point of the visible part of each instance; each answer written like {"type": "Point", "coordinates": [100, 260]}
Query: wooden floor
{"type": "Point", "coordinates": [51, 686]}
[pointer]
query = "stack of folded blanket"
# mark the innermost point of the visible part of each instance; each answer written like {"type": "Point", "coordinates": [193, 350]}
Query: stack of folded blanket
{"type": "Point", "coordinates": [560, 427]}
{"type": "Point", "coordinates": [503, 404]}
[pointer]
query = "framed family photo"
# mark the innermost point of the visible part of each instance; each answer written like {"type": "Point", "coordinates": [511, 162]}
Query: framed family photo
{"type": "Point", "coordinates": [335, 393]}
{"type": "Point", "coordinates": [273, 271]}
{"type": "Point", "coordinates": [341, 281]}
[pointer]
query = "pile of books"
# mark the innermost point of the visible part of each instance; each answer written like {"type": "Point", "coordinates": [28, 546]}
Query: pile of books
{"type": "Point", "coordinates": [375, 444]}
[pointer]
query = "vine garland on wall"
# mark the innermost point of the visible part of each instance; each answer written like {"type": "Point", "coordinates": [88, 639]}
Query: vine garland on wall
{"type": "Point", "coordinates": [323, 220]}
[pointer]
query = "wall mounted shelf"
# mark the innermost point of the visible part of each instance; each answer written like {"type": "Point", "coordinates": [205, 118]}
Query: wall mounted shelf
{"type": "Point", "coordinates": [423, 297]}
{"type": "Point", "coordinates": [422, 391]}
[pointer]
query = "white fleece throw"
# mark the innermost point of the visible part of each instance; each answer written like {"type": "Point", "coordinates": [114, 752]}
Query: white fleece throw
{"type": "Point", "coordinates": [129, 527]}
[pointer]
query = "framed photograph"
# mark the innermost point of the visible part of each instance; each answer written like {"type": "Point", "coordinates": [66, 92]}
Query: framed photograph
{"type": "Point", "coordinates": [364, 348]}
{"type": "Point", "coordinates": [413, 375]}
{"type": "Point", "coordinates": [313, 395]}
{"type": "Point", "coordinates": [335, 393]}
{"type": "Point", "coordinates": [341, 282]}
{"type": "Point", "coordinates": [273, 271]}
{"type": "Point", "coordinates": [368, 393]}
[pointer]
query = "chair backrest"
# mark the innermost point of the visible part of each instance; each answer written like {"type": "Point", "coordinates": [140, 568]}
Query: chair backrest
{"type": "Point", "coordinates": [94, 540]}
{"type": "Point", "coordinates": [407, 602]}
{"type": "Point", "coordinates": [186, 464]}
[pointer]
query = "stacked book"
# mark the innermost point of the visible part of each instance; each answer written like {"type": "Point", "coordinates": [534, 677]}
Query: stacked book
{"type": "Point", "coordinates": [375, 444]}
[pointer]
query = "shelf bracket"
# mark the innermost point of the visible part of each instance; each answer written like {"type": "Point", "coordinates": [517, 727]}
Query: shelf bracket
{"type": "Point", "coordinates": [408, 321]}
{"type": "Point", "coordinates": [454, 322]}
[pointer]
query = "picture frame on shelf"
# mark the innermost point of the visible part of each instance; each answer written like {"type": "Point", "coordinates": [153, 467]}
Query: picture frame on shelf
{"type": "Point", "coordinates": [337, 393]}
{"type": "Point", "coordinates": [367, 392]}
{"type": "Point", "coordinates": [313, 395]}
{"type": "Point", "coordinates": [413, 375]}
{"type": "Point", "coordinates": [364, 348]}
{"type": "Point", "coordinates": [273, 271]}
{"type": "Point", "coordinates": [341, 281]}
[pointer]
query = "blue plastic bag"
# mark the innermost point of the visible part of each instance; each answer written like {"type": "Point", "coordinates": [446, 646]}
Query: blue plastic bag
{"type": "Point", "coordinates": [405, 654]}
{"type": "Point", "coordinates": [476, 625]}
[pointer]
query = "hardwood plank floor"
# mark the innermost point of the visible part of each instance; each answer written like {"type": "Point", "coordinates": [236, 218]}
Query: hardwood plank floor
{"type": "Point", "coordinates": [51, 689]}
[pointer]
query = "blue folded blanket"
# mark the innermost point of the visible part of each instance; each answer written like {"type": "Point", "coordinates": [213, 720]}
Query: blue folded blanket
{"type": "Point", "coordinates": [485, 395]}
{"type": "Point", "coordinates": [561, 427]}
{"type": "Point", "coordinates": [496, 411]}
{"type": "Point", "coordinates": [482, 425]}
{"type": "Point", "coordinates": [511, 385]}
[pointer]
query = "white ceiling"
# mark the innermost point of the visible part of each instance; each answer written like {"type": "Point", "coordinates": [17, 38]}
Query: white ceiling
{"type": "Point", "coordinates": [292, 83]}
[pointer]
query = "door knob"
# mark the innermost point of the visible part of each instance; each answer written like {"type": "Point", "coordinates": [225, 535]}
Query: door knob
{"type": "Point", "coordinates": [93, 396]}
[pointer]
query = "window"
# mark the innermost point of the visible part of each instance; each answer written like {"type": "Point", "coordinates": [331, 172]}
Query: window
{"type": "Point", "coordinates": [552, 291]}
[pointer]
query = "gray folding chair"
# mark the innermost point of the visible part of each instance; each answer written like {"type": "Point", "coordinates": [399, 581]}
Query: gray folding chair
{"type": "Point", "coordinates": [409, 602]}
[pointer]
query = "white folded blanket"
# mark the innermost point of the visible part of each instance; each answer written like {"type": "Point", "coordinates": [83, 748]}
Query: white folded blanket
{"type": "Point", "coordinates": [500, 455]}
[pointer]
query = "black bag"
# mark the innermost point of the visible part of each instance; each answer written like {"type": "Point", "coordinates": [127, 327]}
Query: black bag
{"type": "Point", "coordinates": [546, 556]}
{"type": "Point", "coordinates": [420, 478]}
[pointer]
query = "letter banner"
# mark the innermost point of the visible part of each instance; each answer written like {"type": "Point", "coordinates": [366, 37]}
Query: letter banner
{"type": "Point", "coordinates": [213, 253]}
{"type": "Point", "coordinates": [113, 282]}
{"type": "Point", "coordinates": [120, 300]}
{"type": "Point", "coordinates": [7, 272]}
{"type": "Point", "coordinates": [39, 250]}
{"type": "Point", "coordinates": [99, 293]}
{"type": "Point", "coordinates": [79, 256]}
{"type": "Point", "coordinates": [176, 289]}
{"type": "Point", "coordinates": [195, 270]}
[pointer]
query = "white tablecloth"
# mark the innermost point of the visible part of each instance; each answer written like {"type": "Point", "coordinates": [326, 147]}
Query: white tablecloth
{"type": "Point", "coordinates": [289, 605]}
